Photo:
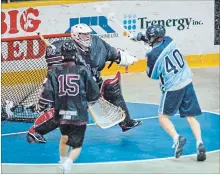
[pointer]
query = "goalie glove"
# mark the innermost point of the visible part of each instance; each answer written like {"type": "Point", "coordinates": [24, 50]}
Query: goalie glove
{"type": "Point", "coordinates": [126, 58]}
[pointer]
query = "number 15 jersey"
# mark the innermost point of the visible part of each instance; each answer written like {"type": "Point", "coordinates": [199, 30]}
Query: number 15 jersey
{"type": "Point", "coordinates": [165, 62]}
{"type": "Point", "coordinates": [68, 87]}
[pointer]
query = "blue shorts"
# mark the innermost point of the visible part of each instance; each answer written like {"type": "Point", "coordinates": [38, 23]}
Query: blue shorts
{"type": "Point", "coordinates": [184, 100]}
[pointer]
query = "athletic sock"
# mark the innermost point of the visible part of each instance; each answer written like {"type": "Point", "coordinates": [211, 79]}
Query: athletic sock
{"type": "Point", "coordinates": [68, 164]}
{"type": "Point", "coordinates": [198, 143]}
{"type": "Point", "coordinates": [175, 139]}
{"type": "Point", "coordinates": [62, 159]}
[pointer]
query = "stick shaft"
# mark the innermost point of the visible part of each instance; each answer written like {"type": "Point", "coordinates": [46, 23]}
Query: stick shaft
{"type": "Point", "coordinates": [119, 24]}
{"type": "Point", "coordinates": [43, 39]}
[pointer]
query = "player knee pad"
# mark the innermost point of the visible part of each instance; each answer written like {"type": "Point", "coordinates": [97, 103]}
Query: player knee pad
{"type": "Point", "coordinates": [111, 91]}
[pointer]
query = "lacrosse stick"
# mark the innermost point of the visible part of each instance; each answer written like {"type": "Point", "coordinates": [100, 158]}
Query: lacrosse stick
{"type": "Point", "coordinates": [43, 39]}
{"type": "Point", "coordinates": [111, 17]}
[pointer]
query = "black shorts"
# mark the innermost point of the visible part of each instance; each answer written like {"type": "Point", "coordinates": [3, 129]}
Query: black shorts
{"type": "Point", "coordinates": [75, 134]}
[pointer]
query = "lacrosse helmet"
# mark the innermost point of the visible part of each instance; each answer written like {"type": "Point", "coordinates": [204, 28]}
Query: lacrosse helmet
{"type": "Point", "coordinates": [154, 34]}
{"type": "Point", "coordinates": [81, 34]}
{"type": "Point", "coordinates": [53, 53]}
{"type": "Point", "coordinates": [69, 51]}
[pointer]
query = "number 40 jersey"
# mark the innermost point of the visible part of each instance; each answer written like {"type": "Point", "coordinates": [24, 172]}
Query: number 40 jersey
{"type": "Point", "coordinates": [165, 62]}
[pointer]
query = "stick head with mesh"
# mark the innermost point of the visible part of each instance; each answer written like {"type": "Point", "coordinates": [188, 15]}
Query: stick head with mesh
{"type": "Point", "coordinates": [106, 114]}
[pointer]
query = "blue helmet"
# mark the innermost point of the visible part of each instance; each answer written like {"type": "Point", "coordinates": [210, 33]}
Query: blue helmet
{"type": "Point", "coordinates": [154, 32]}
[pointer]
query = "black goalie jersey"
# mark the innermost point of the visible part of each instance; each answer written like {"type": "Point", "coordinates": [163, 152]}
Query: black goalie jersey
{"type": "Point", "coordinates": [68, 87]}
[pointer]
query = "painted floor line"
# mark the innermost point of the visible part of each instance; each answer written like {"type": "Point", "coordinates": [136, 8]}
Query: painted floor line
{"type": "Point", "coordinates": [217, 113]}
{"type": "Point", "coordinates": [91, 124]}
{"type": "Point", "coordinates": [115, 162]}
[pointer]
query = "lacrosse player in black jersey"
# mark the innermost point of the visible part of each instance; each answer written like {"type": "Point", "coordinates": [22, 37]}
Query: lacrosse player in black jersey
{"type": "Point", "coordinates": [69, 87]}
{"type": "Point", "coordinates": [94, 53]}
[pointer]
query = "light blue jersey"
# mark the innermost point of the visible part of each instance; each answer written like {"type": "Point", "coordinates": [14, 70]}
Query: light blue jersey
{"type": "Point", "coordinates": [165, 62]}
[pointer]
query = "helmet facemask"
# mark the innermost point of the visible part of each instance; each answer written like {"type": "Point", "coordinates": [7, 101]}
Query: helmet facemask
{"type": "Point", "coordinates": [81, 34]}
{"type": "Point", "coordinates": [151, 39]}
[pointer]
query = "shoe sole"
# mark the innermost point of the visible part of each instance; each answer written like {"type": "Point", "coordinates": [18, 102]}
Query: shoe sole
{"type": "Point", "coordinates": [60, 170]}
{"type": "Point", "coordinates": [128, 128]}
{"type": "Point", "coordinates": [179, 148]}
{"type": "Point", "coordinates": [201, 155]}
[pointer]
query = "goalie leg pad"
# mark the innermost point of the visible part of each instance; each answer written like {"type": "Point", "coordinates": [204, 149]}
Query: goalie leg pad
{"type": "Point", "coordinates": [34, 137]}
{"type": "Point", "coordinates": [111, 91]}
{"type": "Point", "coordinates": [44, 124]}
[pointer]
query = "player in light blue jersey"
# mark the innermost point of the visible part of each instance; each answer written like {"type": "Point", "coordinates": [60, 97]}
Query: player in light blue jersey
{"type": "Point", "coordinates": [166, 63]}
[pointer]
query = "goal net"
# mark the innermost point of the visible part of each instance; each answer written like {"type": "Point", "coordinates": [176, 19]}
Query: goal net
{"type": "Point", "coordinates": [23, 69]}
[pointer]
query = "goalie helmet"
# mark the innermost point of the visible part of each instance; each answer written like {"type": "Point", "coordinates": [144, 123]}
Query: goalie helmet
{"type": "Point", "coordinates": [81, 35]}
{"type": "Point", "coordinates": [155, 33]}
{"type": "Point", "coordinates": [69, 51]}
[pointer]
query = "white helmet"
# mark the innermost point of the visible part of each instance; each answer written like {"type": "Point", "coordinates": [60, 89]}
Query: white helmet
{"type": "Point", "coordinates": [81, 35]}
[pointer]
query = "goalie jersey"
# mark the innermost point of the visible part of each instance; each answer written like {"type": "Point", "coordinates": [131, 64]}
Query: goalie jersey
{"type": "Point", "coordinates": [68, 87]}
{"type": "Point", "coordinates": [165, 62]}
{"type": "Point", "coordinates": [98, 55]}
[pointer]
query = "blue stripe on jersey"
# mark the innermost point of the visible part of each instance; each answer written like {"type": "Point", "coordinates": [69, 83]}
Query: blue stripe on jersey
{"type": "Point", "coordinates": [153, 55]}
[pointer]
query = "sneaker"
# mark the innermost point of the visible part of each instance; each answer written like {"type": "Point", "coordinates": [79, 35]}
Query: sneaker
{"type": "Point", "coordinates": [61, 169]}
{"type": "Point", "coordinates": [179, 146]}
{"type": "Point", "coordinates": [201, 152]}
{"type": "Point", "coordinates": [129, 125]}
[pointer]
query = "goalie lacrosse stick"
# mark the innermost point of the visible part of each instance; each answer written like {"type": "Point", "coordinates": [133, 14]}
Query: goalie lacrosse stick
{"type": "Point", "coordinates": [104, 114]}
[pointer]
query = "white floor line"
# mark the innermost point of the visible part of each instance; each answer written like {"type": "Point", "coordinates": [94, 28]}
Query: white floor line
{"type": "Point", "coordinates": [15, 133]}
{"type": "Point", "coordinates": [90, 124]}
{"type": "Point", "coordinates": [116, 162]}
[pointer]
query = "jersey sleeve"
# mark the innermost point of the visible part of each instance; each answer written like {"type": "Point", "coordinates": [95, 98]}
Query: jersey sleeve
{"type": "Point", "coordinates": [91, 87]}
{"type": "Point", "coordinates": [112, 53]}
{"type": "Point", "coordinates": [153, 67]}
{"type": "Point", "coordinates": [47, 92]}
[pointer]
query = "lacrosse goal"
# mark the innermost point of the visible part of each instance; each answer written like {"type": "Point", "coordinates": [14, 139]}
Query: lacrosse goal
{"type": "Point", "coordinates": [23, 69]}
